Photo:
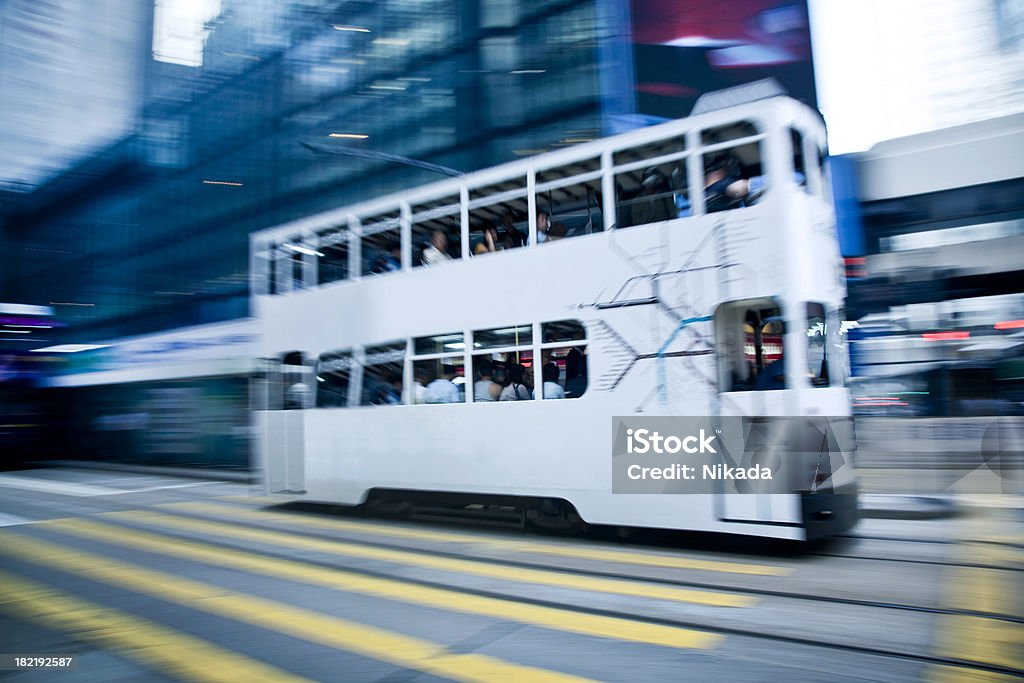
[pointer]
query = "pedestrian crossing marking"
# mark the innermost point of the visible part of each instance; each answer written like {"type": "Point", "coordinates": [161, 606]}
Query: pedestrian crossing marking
{"type": "Point", "coordinates": [362, 639]}
{"type": "Point", "coordinates": [405, 557]}
{"type": "Point", "coordinates": [140, 640]}
{"type": "Point", "coordinates": [955, 674]}
{"type": "Point", "coordinates": [438, 598]}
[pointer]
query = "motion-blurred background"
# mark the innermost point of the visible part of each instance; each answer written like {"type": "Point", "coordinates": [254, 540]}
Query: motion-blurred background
{"type": "Point", "coordinates": [141, 143]}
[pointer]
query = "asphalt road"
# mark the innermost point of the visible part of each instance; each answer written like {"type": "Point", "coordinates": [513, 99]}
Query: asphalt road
{"type": "Point", "coordinates": [153, 578]}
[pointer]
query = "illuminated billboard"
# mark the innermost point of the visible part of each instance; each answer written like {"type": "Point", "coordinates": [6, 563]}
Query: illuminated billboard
{"type": "Point", "coordinates": [685, 48]}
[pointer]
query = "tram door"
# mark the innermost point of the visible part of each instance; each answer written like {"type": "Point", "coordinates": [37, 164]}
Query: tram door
{"type": "Point", "coordinates": [286, 394]}
{"type": "Point", "coordinates": [752, 382]}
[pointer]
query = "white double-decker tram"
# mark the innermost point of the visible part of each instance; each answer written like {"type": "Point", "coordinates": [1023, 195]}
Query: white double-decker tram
{"type": "Point", "coordinates": [463, 346]}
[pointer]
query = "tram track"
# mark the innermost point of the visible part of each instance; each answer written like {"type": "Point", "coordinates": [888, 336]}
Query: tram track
{"type": "Point", "coordinates": [665, 581]}
{"type": "Point", "coordinates": [700, 624]}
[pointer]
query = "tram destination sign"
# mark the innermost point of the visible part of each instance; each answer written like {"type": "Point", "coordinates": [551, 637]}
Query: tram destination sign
{"type": "Point", "coordinates": [729, 454]}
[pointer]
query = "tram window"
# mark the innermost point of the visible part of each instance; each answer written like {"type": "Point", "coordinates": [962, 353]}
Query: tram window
{"type": "Point", "coordinates": [800, 167]}
{"type": "Point", "coordinates": [381, 244]}
{"type": "Point", "coordinates": [732, 131]}
{"type": "Point", "coordinates": [564, 371]}
{"type": "Point", "coordinates": [290, 267]}
{"type": "Point", "coordinates": [749, 336]}
{"type": "Point", "coordinates": [734, 176]}
{"type": "Point", "coordinates": [443, 365]}
{"type": "Point", "coordinates": [488, 375]}
{"type": "Point", "coordinates": [558, 173]}
{"type": "Point", "coordinates": [333, 376]}
{"type": "Point", "coordinates": [569, 211]}
{"type": "Point", "coordinates": [382, 374]}
{"type": "Point", "coordinates": [268, 265]}
{"type": "Point", "coordinates": [519, 335]}
{"type": "Point", "coordinates": [439, 380]}
{"type": "Point", "coordinates": [570, 360]}
{"type": "Point", "coordinates": [569, 196]}
{"type": "Point", "coordinates": [562, 330]}
{"type": "Point", "coordinates": [444, 215]}
{"type": "Point", "coordinates": [432, 208]}
{"type": "Point", "coordinates": [513, 371]}
{"type": "Point", "coordinates": [436, 240]}
{"type": "Point", "coordinates": [817, 345]}
{"type": "Point", "coordinates": [653, 187]}
{"type": "Point", "coordinates": [502, 208]}
{"type": "Point", "coordinates": [451, 343]}
{"type": "Point", "coordinates": [649, 151]}
{"type": "Point", "coordinates": [333, 264]}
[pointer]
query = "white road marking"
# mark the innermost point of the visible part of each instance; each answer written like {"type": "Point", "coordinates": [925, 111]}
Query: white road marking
{"type": "Point", "coordinates": [13, 520]}
{"type": "Point", "coordinates": [83, 490]}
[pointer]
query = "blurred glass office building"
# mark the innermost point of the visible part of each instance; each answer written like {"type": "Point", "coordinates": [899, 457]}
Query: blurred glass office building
{"type": "Point", "coordinates": [253, 113]}
{"type": "Point", "coordinates": [143, 142]}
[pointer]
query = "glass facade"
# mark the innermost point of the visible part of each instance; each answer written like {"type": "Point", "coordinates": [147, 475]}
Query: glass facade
{"type": "Point", "coordinates": [297, 107]}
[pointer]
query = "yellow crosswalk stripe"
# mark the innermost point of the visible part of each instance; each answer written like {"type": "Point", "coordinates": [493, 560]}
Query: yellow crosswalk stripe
{"type": "Point", "coordinates": [495, 571]}
{"type": "Point", "coordinates": [993, 554]}
{"type": "Point", "coordinates": [376, 643]}
{"type": "Point", "coordinates": [984, 640]}
{"type": "Point", "coordinates": [953, 674]}
{"type": "Point", "coordinates": [137, 639]}
{"type": "Point", "coordinates": [548, 617]}
{"type": "Point", "coordinates": [623, 557]}
{"type": "Point", "coordinates": [993, 591]}
{"type": "Point", "coordinates": [994, 642]}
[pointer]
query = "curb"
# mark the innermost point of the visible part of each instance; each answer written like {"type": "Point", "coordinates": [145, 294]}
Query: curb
{"type": "Point", "coordinates": [906, 507]}
{"type": "Point", "coordinates": [240, 476]}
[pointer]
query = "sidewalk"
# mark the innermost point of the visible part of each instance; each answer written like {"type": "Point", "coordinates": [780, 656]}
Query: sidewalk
{"type": "Point", "coordinates": [894, 506]}
{"type": "Point", "coordinates": [241, 476]}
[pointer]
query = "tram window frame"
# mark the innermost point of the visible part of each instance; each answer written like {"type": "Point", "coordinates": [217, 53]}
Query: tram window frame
{"type": "Point", "coordinates": [738, 148]}
{"type": "Point", "coordinates": [377, 232]}
{"type": "Point", "coordinates": [390, 355]}
{"type": "Point", "coordinates": [839, 369]}
{"type": "Point", "coordinates": [819, 371]}
{"type": "Point", "coordinates": [433, 363]}
{"type": "Point", "coordinates": [740, 368]}
{"type": "Point", "coordinates": [341, 398]}
{"type": "Point", "coordinates": [487, 206]}
{"type": "Point", "coordinates": [570, 197]}
{"type": "Point", "coordinates": [289, 265]}
{"type": "Point", "coordinates": [334, 246]}
{"type": "Point", "coordinates": [565, 336]}
{"type": "Point", "coordinates": [801, 167]}
{"type": "Point", "coordinates": [443, 214]}
{"type": "Point", "coordinates": [264, 269]}
{"type": "Point", "coordinates": [659, 166]}
{"type": "Point", "coordinates": [506, 346]}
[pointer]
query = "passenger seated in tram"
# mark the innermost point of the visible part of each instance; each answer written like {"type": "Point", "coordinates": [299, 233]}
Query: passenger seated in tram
{"type": "Point", "coordinates": [485, 389]}
{"type": "Point", "coordinates": [518, 385]}
{"type": "Point", "coordinates": [443, 389]}
{"type": "Point", "coordinates": [724, 189]}
{"type": "Point", "coordinates": [437, 251]}
{"type": "Point", "coordinates": [513, 237]}
{"type": "Point", "coordinates": [576, 377]}
{"type": "Point", "coordinates": [488, 243]}
{"type": "Point", "coordinates": [551, 388]}
{"type": "Point", "coordinates": [421, 378]}
{"type": "Point", "coordinates": [556, 231]}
